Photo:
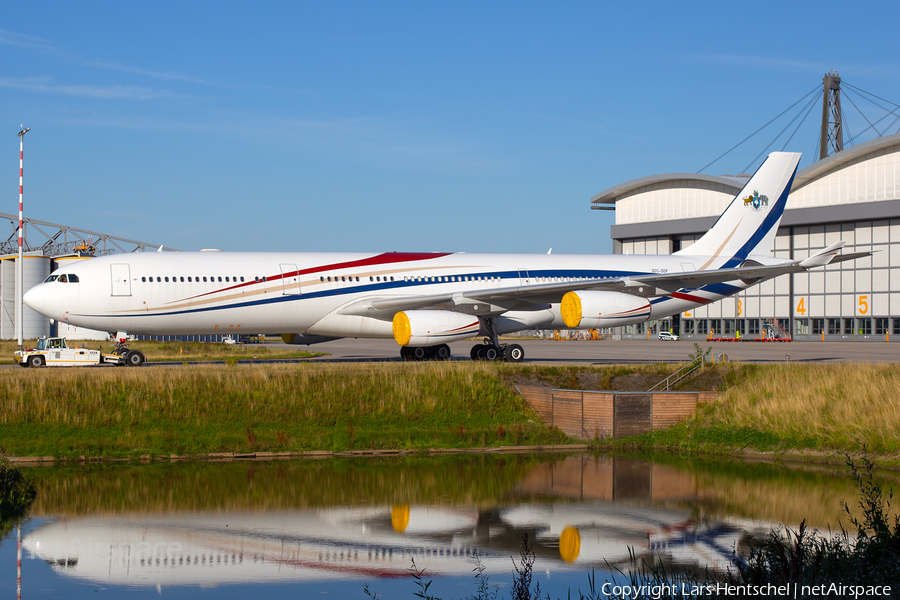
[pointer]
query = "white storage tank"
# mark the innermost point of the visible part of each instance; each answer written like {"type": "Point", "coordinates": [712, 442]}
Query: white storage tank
{"type": "Point", "coordinates": [36, 268]}
{"type": "Point", "coordinates": [8, 298]}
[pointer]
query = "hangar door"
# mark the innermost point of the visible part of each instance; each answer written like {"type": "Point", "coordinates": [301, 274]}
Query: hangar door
{"type": "Point", "coordinates": [121, 279]}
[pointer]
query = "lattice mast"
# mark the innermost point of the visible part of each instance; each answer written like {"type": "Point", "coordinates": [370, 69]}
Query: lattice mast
{"type": "Point", "coordinates": [832, 136]}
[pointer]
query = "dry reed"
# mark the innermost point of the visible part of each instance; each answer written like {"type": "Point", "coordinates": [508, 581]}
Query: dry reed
{"type": "Point", "coordinates": [838, 406]}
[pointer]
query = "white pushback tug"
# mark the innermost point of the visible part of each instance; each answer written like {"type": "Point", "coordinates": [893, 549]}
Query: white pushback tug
{"type": "Point", "coordinates": [55, 352]}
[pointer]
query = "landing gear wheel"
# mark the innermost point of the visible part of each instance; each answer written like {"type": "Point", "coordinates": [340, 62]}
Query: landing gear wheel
{"type": "Point", "coordinates": [514, 353]}
{"type": "Point", "coordinates": [36, 361]}
{"type": "Point", "coordinates": [442, 352]}
{"type": "Point", "coordinates": [477, 352]}
{"type": "Point", "coordinates": [491, 353]}
{"type": "Point", "coordinates": [134, 358]}
{"type": "Point", "coordinates": [419, 353]}
{"type": "Point", "coordinates": [404, 353]}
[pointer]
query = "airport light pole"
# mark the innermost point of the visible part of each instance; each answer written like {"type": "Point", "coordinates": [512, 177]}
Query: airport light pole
{"type": "Point", "coordinates": [20, 277]}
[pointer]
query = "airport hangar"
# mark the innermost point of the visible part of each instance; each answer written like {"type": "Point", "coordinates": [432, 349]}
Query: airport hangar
{"type": "Point", "coordinates": [852, 195]}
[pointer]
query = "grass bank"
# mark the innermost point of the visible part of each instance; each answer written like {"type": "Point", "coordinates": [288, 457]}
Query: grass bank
{"type": "Point", "coordinates": [832, 408]}
{"type": "Point", "coordinates": [180, 351]}
{"type": "Point", "coordinates": [246, 408]}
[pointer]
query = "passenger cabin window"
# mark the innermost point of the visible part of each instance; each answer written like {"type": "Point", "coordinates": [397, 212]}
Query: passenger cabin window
{"type": "Point", "coordinates": [143, 280]}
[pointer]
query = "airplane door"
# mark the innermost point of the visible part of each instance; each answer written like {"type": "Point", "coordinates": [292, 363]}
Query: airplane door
{"type": "Point", "coordinates": [290, 279]}
{"type": "Point", "coordinates": [120, 274]}
{"type": "Point", "coordinates": [524, 279]}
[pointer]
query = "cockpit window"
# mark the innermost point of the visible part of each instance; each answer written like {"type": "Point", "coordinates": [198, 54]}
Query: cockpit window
{"type": "Point", "coordinates": [62, 278]}
{"type": "Point", "coordinates": [51, 278]}
{"type": "Point", "coordinates": [73, 278]}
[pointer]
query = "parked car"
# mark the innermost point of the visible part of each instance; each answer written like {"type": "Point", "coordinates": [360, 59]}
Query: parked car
{"type": "Point", "coordinates": [665, 335]}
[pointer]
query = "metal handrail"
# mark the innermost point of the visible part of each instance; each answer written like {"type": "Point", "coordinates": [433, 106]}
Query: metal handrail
{"type": "Point", "coordinates": [679, 374]}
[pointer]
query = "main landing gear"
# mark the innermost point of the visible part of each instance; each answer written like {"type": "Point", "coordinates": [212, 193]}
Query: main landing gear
{"type": "Point", "coordinates": [505, 352]}
{"type": "Point", "coordinates": [441, 352]}
{"type": "Point", "coordinates": [492, 349]}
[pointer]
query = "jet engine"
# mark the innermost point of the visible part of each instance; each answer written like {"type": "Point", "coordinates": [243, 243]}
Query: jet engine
{"type": "Point", "coordinates": [430, 327]}
{"type": "Point", "coordinates": [602, 309]}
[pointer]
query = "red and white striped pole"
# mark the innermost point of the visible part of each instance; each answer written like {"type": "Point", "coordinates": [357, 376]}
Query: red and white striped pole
{"type": "Point", "coordinates": [20, 279]}
{"type": "Point", "coordinates": [18, 562]}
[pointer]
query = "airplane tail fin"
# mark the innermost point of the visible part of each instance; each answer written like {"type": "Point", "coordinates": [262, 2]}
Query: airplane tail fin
{"type": "Point", "coordinates": [749, 224]}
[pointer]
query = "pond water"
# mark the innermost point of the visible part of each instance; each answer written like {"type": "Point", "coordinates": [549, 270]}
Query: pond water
{"type": "Point", "coordinates": [327, 528]}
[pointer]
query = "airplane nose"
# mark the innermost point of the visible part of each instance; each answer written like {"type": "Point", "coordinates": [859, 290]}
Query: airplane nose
{"type": "Point", "coordinates": [36, 298]}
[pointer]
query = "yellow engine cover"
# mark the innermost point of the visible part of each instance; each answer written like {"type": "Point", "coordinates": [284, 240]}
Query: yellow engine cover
{"type": "Point", "coordinates": [570, 309]}
{"type": "Point", "coordinates": [402, 328]}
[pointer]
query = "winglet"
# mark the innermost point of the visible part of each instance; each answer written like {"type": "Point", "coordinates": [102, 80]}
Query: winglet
{"type": "Point", "coordinates": [823, 257]}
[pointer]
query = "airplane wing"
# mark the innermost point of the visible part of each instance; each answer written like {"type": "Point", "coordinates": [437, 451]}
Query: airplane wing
{"type": "Point", "coordinates": [494, 301]}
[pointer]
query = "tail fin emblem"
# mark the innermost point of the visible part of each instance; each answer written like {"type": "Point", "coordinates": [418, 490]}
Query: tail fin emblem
{"type": "Point", "coordinates": [756, 200]}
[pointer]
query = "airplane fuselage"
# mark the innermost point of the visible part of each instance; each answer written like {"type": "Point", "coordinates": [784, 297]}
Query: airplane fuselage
{"type": "Point", "coordinates": [278, 293]}
{"type": "Point", "coordinates": [425, 300]}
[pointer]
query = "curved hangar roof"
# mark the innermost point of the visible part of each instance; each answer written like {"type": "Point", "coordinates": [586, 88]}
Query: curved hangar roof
{"type": "Point", "coordinates": [862, 182]}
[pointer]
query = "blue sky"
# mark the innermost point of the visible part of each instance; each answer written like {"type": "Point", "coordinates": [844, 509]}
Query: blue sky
{"type": "Point", "coordinates": [378, 126]}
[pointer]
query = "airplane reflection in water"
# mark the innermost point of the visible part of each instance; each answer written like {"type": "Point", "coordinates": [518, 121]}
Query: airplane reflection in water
{"type": "Point", "coordinates": [611, 505]}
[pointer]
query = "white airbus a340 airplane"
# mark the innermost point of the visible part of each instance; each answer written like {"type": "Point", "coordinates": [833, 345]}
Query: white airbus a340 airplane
{"type": "Point", "coordinates": [424, 300]}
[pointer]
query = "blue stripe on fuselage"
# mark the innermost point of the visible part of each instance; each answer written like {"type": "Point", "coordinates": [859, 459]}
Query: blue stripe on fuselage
{"type": "Point", "coordinates": [389, 285]}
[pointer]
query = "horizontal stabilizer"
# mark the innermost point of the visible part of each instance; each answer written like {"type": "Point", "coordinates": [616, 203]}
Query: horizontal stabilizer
{"type": "Point", "coordinates": [852, 256]}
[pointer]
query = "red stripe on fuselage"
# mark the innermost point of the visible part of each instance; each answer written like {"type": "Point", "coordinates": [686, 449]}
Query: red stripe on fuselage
{"type": "Point", "coordinates": [690, 298]}
{"type": "Point", "coordinates": [381, 259]}
{"type": "Point", "coordinates": [464, 327]}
